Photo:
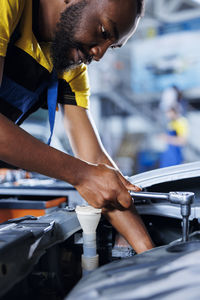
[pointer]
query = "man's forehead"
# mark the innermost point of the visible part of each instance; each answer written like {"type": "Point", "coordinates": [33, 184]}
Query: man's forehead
{"type": "Point", "coordinates": [117, 17]}
{"type": "Point", "coordinates": [129, 34]}
{"type": "Point", "coordinates": [121, 9]}
{"type": "Point", "coordinates": [122, 14]}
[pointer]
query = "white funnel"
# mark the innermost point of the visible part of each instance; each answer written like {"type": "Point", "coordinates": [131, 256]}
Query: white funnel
{"type": "Point", "coordinates": [88, 217]}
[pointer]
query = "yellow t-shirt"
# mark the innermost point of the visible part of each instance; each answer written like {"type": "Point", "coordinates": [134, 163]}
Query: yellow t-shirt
{"type": "Point", "coordinates": [180, 126]}
{"type": "Point", "coordinates": [33, 57]}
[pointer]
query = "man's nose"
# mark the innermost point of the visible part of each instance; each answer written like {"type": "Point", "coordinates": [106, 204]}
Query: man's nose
{"type": "Point", "coordinates": [98, 51]}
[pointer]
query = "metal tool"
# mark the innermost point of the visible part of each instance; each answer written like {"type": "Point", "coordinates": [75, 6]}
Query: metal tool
{"type": "Point", "coordinates": [184, 199]}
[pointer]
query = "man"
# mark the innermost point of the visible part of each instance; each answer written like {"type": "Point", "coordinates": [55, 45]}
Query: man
{"type": "Point", "coordinates": [175, 138]}
{"type": "Point", "coordinates": [71, 34]}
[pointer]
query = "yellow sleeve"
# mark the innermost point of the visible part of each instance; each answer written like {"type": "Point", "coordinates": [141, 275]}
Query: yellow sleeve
{"type": "Point", "coordinates": [182, 127]}
{"type": "Point", "coordinates": [10, 13]}
{"type": "Point", "coordinates": [79, 84]}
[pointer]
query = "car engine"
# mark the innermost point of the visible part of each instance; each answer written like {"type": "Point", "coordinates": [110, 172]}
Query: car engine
{"type": "Point", "coordinates": [41, 256]}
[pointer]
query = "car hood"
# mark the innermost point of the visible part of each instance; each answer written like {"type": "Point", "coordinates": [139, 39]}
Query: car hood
{"type": "Point", "coordinates": [167, 272]}
{"type": "Point", "coordinates": [168, 174]}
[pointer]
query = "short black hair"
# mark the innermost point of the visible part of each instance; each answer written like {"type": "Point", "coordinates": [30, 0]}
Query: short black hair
{"type": "Point", "coordinates": [140, 7]}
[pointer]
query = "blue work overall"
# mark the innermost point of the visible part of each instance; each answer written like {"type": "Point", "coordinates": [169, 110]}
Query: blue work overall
{"type": "Point", "coordinates": [24, 99]}
{"type": "Point", "coordinates": [172, 155]}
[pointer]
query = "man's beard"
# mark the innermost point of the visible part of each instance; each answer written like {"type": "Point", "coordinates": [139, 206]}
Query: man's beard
{"type": "Point", "coordinates": [64, 40]}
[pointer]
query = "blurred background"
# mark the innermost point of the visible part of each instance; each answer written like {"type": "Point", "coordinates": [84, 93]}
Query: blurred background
{"type": "Point", "coordinates": [145, 97]}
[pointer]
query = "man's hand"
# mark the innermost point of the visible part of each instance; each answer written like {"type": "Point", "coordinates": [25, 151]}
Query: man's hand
{"type": "Point", "coordinates": [104, 187]}
{"type": "Point", "coordinates": [129, 186]}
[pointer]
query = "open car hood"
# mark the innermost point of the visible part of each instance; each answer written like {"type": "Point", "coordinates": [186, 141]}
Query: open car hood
{"type": "Point", "coordinates": [179, 172]}
{"type": "Point", "coordinates": [168, 272]}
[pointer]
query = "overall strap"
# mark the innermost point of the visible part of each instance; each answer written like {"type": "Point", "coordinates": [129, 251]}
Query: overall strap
{"type": "Point", "coordinates": [25, 103]}
{"type": "Point", "coordinates": [53, 87]}
{"type": "Point", "coordinates": [52, 102]}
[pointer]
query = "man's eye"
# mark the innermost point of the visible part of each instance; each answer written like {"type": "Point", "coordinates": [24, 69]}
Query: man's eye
{"type": "Point", "coordinates": [115, 46]}
{"type": "Point", "coordinates": [104, 33]}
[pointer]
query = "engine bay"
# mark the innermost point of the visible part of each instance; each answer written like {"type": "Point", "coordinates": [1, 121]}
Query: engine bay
{"type": "Point", "coordinates": [41, 256]}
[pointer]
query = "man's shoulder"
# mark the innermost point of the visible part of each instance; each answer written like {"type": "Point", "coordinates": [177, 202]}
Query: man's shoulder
{"type": "Point", "coordinates": [12, 6]}
{"type": "Point", "coordinates": [181, 125]}
{"type": "Point", "coordinates": [10, 13]}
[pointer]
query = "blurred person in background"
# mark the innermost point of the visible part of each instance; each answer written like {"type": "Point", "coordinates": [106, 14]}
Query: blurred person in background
{"type": "Point", "coordinates": [175, 138]}
{"type": "Point", "coordinates": [181, 102]}
{"type": "Point", "coordinates": [45, 42]}
{"type": "Point", "coordinates": [168, 99]}
{"type": "Point", "coordinates": [171, 97]}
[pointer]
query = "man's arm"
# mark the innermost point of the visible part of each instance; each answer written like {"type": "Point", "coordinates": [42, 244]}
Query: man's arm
{"type": "Point", "coordinates": [86, 145]}
{"type": "Point", "coordinates": [99, 185]}
{"type": "Point", "coordinates": [83, 135]}
{"type": "Point", "coordinates": [174, 140]}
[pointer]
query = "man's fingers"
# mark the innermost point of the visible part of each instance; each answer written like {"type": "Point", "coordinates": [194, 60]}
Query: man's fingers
{"type": "Point", "coordinates": [132, 187]}
{"type": "Point", "coordinates": [129, 186]}
{"type": "Point", "coordinates": [124, 199]}
{"type": "Point", "coordinates": [107, 188]}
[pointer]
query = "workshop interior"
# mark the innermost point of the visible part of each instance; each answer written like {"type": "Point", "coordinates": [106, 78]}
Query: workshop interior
{"type": "Point", "coordinates": [145, 101]}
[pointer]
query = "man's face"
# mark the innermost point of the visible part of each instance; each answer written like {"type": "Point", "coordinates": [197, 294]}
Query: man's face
{"type": "Point", "coordinates": [87, 28]}
{"type": "Point", "coordinates": [172, 114]}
